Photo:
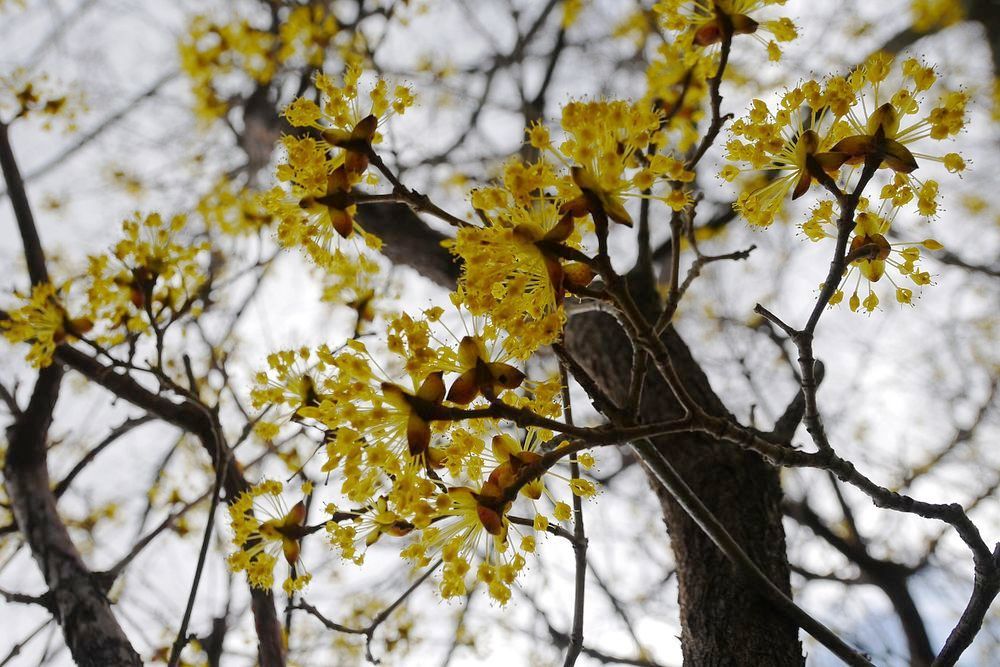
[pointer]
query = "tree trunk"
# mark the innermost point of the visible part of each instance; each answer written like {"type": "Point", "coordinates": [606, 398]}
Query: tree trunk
{"type": "Point", "coordinates": [723, 622]}
{"type": "Point", "coordinates": [75, 596]}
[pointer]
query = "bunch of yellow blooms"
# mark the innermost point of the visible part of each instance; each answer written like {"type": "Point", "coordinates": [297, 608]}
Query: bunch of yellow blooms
{"type": "Point", "coordinates": [518, 266]}
{"type": "Point", "coordinates": [793, 140]}
{"type": "Point", "coordinates": [832, 129]}
{"type": "Point", "coordinates": [677, 87]}
{"type": "Point", "coordinates": [876, 257]}
{"type": "Point", "coordinates": [826, 132]}
{"type": "Point", "coordinates": [421, 451]}
{"type": "Point", "coordinates": [295, 379]}
{"type": "Point", "coordinates": [611, 151]}
{"type": "Point", "coordinates": [704, 23]}
{"type": "Point", "coordinates": [149, 280]}
{"type": "Point", "coordinates": [213, 53]}
{"type": "Point", "coordinates": [511, 271]}
{"type": "Point", "coordinates": [316, 209]}
{"type": "Point", "coordinates": [234, 210]}
{"type": "Point", "coordinates": [352, 281]}
{"type": "Point", "coordinates": [43, 323]}
{"type": "Point", "coordinates": [263, 526]}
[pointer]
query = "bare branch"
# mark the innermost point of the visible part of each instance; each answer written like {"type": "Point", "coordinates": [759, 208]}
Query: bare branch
{"type": "Point", "coordinates": [369, 630]}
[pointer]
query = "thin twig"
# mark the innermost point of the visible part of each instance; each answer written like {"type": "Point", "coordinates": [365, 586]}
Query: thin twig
{"type": "Point", "coordinates": [34, 255]}
{"type": "Point", "coordinates": [222, 462]}
{"type": "Point", "coordinates": [116, 433]}
{"type": "Point", "coordinates": [580, 541]}
{"type": "Point", "coordinates": [368, 632]}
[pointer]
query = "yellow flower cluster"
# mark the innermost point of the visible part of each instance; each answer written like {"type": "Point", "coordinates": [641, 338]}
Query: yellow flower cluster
{"type": "Point", "coordinates": [352, 281]}
{"type": "Point", "coordinates": [215, 55]}
{"type": "Point", "coordinates": [877, 119]}
{"type": "Point", "coordinates": [793, 141]}
{"type": "Point", "coordinates": [677, 87]}
{"type": "Point", "coordinates": [316, 209]}
{"type": "Point", "coordinates": [210, 52]}
{"type": "Point", "coordinates": [826, 132]}
{"type": "Point", "coordinates": [43, 323]}
{"type": "Point", "coordinates": [418, 451]}
{"type": "Point", "coordinates": [263, 526]}
{"type": "Point", "coordinates": [519, 264]}
{"type": "Point", "coordinates": [611, 149]}
{"type": "Point", "coordinates": [151, 277]}
{"type": "Point", "coordinates": [873, 257]}
{"type": "Point", "coordinates": [305, 35]}
{"type": "Point", "coordinates": [295, 379]}
{"type": "Point", "coordinates": [508, 270]}
{"type": "Point", "coordinates": [234, 210]}
{"type": "Point", "coordinates": [703, 23]}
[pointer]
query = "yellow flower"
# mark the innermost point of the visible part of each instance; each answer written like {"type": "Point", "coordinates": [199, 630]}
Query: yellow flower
{"type": "Point", "coordinates": [44, 324]}
{"type": "Point", "coordinates": [152, 276]}
{"type": "Point", "coordinates": [352, 280]}
{"type": "Point", "coordinates": [873, 257]}
{"type": "Point", "coordinates": [317, 208]}
{"type": "Point", "coordinates": [786, 141]}
{"type": "Point", "coordinates": [675, 85]}
{"type": "Point", "coordinates": [468, 518]}
{"type": "Point", "coordinates": [480, 373]}
{"type": "Point", "coordinates": [348, 530]}
{"type": "Point", "coordinates": [877, 128]}
{"type": "Point", "coordinates": [233, 210]}
{"type": "Point", "coordinates": [611, 152]}
{"type": "Point", "coordinates": [212, 53]}
{"type": "Point", "coordinates": [844, 134]}
{"type": "Point", "coordinates": [583, 488]}
{"type": "Point", "coordinates": [306, 34]}
{"type": "Point", "coordinates": [259, 541]}
{"type": "Point", "coordinates": [706, 22]}
{"type": "Point", "coordinates": [343, 120]}
{"type": "Point", "coordinates": [293, 382]}
{"type": "Point", "coordinates": [510, 271]}
{"type": "Point", "coordinates": [571, 11]}
{"type": "Point", "coordinates": [538, 136]}
{"type": "Point", "coordinates": [404, 457]}
{"type": "Point", "coordinates": [414, 412]}
{"type": "Point", "coordinates": [380, 426]}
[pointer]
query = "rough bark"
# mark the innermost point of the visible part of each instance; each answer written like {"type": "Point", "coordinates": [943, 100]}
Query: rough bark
{"type": "Point", "coordinates": [723, 622]}
{"type": "Point", "coordinates": [75, 597]}
{"type": "Point", "coordinates": [408, 241]}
